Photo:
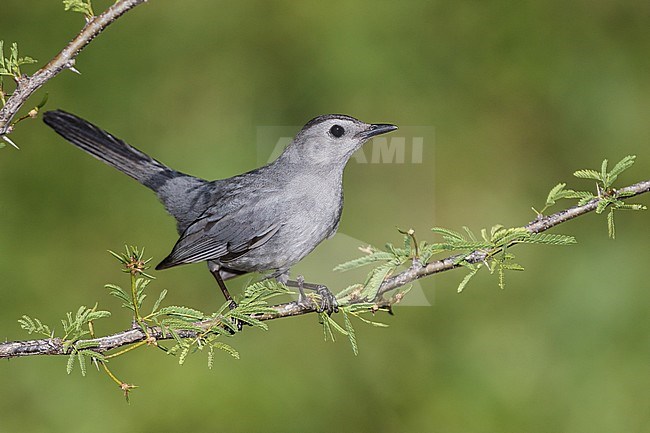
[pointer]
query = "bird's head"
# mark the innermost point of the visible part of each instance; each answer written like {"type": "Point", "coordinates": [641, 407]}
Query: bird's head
{"type": "Point", "coordinates": [331, 139]}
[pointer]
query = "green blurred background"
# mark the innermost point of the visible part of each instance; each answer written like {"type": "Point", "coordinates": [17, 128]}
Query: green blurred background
{"type": "Point", "coordinates": [519, 94]}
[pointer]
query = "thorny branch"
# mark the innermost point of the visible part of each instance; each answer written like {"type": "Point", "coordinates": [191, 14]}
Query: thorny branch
{"type": "Point", "coordinates": [54, 346]}
{"type": "Point", "coordinates": [26, 86]}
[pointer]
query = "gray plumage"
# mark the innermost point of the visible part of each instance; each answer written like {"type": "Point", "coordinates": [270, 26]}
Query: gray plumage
{"type": "Point", "coordinates": [267, 219]}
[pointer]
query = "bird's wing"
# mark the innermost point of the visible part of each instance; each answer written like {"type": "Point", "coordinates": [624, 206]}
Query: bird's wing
{"type": "Point", "coordinates": [222, 237]}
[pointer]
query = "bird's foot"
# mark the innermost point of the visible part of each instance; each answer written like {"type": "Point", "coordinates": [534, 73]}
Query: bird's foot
{"type": "Point", "coordinates": [328, 301]}
{"type": "Point", "coordinates": [238, 323]}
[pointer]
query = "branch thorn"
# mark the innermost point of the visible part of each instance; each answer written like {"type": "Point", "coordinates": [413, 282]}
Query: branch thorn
{"type": "Point", "coordinates": [8, 140]}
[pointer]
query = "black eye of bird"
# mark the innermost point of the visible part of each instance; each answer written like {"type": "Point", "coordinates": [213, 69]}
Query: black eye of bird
{"type": "Point", "coordinates": [337, 131]}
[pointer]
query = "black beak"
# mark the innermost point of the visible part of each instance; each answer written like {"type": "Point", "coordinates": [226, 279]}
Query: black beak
{"type": "Point", "coordinates": [377, 129]}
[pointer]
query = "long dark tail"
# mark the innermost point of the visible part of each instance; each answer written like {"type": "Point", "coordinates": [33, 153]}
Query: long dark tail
{"type": "Point", "coordinates": [109, 149]}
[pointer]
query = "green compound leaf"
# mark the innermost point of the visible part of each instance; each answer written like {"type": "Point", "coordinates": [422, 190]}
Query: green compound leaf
{"type": "Point", "coordinates": [587, 174]}
{"type": "Point", "coordinates": [80, 6]}
{"type": "Point", "coordinates": [549, 239]}
{"type": "Point", "coordinates": [378, 256]}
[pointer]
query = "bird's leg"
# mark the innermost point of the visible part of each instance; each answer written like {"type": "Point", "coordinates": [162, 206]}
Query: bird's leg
{"type": "Point", "coordinates": [224, 289]}
{"type": "Point", "coordinates": [328, 300]}
{"type": "Point", "coordinates": [300, 282]}
{"type": "Point", "coordinates": [226, 294]}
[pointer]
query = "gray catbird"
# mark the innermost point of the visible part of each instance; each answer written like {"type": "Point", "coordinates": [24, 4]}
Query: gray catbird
{"type": "Point", "coordinates": [267, 219]}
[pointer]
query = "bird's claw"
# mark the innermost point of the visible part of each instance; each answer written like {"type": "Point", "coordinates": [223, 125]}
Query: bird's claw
{"type": "Point", "coordinates": [328, 302]}
{"type": "Point", "coordinates": [238, 323]}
